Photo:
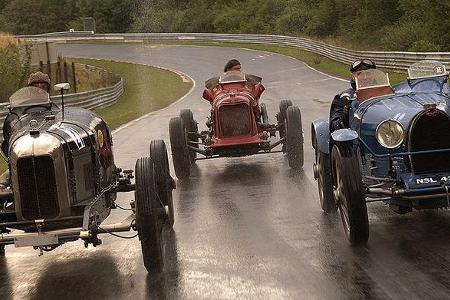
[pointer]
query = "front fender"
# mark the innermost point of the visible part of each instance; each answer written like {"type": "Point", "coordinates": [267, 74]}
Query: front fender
{"type": "Point", "coordinates": [320, 135]}
{"type": "Point", "coordinates": [344, 135]}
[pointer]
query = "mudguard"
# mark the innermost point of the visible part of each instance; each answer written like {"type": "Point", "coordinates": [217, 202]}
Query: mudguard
{"type": "Point", "coordinates": [344, 135]}
{"type": "Point", "coordinates": [320, 135]}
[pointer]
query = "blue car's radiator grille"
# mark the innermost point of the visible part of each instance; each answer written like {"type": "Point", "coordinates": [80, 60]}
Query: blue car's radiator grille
{"type": "Point", "coordinates": [37, 187]}
{"type": "Point", "coordinates": [430, 132]}
{"type": "Point", "coordinates": [235, 120]}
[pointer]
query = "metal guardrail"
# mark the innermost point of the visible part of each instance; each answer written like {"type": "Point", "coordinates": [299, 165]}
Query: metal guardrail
{"type": "Point", "coordinates": [386, 59]}
{"type": "Point", "coordinates": [92, 99]}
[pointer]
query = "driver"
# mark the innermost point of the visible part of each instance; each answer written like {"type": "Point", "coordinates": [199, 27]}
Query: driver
{"type": "Point", "coordinates": [40, 80]}
{"type": "Point", "coordinates": [37, 79]}
{"type": "Point", "coordinates": [232, 65]}
{"type": "Point", "coordinates": [340, 105]}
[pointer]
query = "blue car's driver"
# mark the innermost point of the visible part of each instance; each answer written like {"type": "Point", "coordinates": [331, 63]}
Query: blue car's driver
{"type": "Point", "coordinates": [340, 105]}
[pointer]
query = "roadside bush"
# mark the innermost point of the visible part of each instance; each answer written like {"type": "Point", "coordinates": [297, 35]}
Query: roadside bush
{"type": "Point", "coordinates": [14, 65]}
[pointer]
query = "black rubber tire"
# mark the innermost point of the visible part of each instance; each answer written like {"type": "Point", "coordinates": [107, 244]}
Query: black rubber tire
{"type": "Point", "coordinates": [264, 115]}
{"type": "Point", "coordinates": [349, 193]}
{"type": "Point", "coordinates": [164, 182]}
{"type": "Point", "coordinates": [281, 117]}
{"type": "Point", "coordinates": [325, 182]}
{"type": "Point", "coordinates": [294, 137]}
{"type": "Point", "coordinates": [148, 223]}
{"type": "Point", "coordinates": [284, 104]}
{"type": "Point", "coordinates": [2, 251]}
{"type": "Point", "coordinates": [180, 154]}
{"type": "Point", "coordinates": [191, 128]}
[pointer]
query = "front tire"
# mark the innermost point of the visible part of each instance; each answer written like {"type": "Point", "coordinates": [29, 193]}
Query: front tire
{"type": "Point", "coordinates": [281, 117]}
{"type": "Point", "coordinates": [180, 152]}
{"type": "Point", "coordinates": [148, 208]}
{"type": "Point", "coordinates": [294, 137]}
{"type": "Point", "coordinates": [324, 181]}
{"type": "Point", "coordinates": [349, 194]}
{"type": "Point", "coordinates": [164, 182]}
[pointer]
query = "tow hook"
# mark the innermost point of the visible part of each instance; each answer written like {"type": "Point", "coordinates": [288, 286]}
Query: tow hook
{"type": "Point", "coordinates": [39, 225]}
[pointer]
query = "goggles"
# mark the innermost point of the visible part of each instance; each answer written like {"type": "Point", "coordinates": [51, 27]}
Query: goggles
{"type": "Point", "coordinates": [362, 64]}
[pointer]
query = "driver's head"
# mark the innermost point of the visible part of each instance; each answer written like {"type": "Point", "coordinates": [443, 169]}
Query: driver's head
{"type": "Point", "coordinates": [40, 80]}
{"type": "Point", "coordinates": [360, 65]}
{"type": "Point", "coordinates": [232, 65]}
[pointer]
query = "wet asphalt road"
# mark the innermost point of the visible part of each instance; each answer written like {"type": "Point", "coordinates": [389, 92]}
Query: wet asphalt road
{"type": "Point", "coordinates": [244, 227]}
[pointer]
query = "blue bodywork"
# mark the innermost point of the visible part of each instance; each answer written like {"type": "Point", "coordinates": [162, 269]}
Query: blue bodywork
{"type": "Point", "coordinates": [388, 173]}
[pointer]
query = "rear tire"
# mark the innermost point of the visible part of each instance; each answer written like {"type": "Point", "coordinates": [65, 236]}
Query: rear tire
{"type": "Point", "coordinates": [147, 216]}
{"type": "Point", "coordinates": [180, 153]}
{"type": "Point", "coordinates": [349, 194]}
{"type": "Point", "coordinates": [164, 182]}
{"type": "Point", "coordinates": [294, 137]}
{"type": "Point", "coordinates": [191, 128]}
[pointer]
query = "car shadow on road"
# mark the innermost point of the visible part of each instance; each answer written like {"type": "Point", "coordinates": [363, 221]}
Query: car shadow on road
{"type": "Point", "coordinates": [5, 281]}
{"type": "Point", "coordinates": [167, 284]}
{"type": "Point", "coordinates": [93, 277]}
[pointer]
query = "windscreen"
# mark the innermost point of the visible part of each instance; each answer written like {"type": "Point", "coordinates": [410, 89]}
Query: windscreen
{"type": "Point", "coordinates": [371, 78]}
{"type": "Point", "coordinates": [29, 96]}
{"type": "Point", "coordinates": [232, 76]}
{"type": "Point", "coordinates": [426, 69]}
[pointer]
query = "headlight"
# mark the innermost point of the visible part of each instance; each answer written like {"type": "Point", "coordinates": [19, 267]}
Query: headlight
{"type": "Point", "coordinates": [390, 134]}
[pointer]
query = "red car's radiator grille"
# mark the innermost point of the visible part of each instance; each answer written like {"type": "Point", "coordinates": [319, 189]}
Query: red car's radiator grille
{"type": "Point", "coordinates": [430, 132]}
{"type": "Point", "coordinates": [37, 187]}
{"type": "Point", "coordinates": [235, 120]}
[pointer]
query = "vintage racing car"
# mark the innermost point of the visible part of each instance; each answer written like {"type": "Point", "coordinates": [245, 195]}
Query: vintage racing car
{"type": "Point", "coordinates": [64, 181]}
{"type": "Point", "coordinates": [237, 126]}
{"type": "Point", "coordinates": [397, 149]}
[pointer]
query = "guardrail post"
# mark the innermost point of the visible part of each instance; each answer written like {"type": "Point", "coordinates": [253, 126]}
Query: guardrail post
{"type": "Point", "coordinates": [74, 78]}
{"type": "Point", "coordinates": [66, 76]}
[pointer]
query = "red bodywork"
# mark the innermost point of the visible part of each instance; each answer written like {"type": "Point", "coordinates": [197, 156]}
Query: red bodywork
{"type": "Point", "coordinates": [235, 112]}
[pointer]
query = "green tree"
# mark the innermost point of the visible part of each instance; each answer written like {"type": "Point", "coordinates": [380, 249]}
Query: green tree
{"type": "Point", "coordinates": [109, 15]}
{"type": "Point", "coordinates": [38, 16]}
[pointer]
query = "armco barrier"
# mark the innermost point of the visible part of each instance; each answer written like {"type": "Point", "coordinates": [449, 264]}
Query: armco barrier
{"type": "Point", "coordinates": [93, 99]}
{"type": "Point", "coordinates": [390, 60]}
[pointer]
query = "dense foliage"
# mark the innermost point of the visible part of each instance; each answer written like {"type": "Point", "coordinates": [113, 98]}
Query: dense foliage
{"type": "Point", "coordinates": [40, 16]}
{"type": "Point", "coordinates": [14, 66]}
{"type": "Point", "coordinates": [414, 25]}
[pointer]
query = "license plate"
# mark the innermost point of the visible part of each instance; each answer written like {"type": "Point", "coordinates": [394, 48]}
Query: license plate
{"type": "Point", "coordinates": [431, 180]}
{"type": "Point", "coordinates": [41, 239]}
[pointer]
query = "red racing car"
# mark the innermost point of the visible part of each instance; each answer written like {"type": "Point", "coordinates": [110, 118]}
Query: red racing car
{"type": "Point", "coordinates": [237, 126]}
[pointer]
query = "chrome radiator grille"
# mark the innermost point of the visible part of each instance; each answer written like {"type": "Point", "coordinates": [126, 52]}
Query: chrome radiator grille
{"type": "Point", "coordinates": [37, 188]}
{"type": "Point", "coordinates": [430, 132]}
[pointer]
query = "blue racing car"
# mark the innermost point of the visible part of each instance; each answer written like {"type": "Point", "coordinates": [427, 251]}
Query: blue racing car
{"type": "Point", "coordinates": [396, 150]}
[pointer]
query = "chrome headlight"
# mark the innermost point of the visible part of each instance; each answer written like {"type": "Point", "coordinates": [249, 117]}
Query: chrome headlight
{"type": "Point", "coordinates": [390, 134]}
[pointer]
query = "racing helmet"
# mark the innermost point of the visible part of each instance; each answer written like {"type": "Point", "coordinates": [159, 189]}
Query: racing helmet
{"type": "Point", "coordinates": [230, 64]}
{"type": "Point", "coordinates": [39, 77]}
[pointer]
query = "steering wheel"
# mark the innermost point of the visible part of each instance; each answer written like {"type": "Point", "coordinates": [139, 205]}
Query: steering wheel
{"type": "Point", "coordinates": [35, 108]}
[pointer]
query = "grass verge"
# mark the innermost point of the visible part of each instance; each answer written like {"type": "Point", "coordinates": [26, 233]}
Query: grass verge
{"type": "Point", "coordinates": [146, 89]}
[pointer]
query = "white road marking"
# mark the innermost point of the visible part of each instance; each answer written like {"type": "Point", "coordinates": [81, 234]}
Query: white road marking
{"type": "Point", "coordinates": [313, 81]}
